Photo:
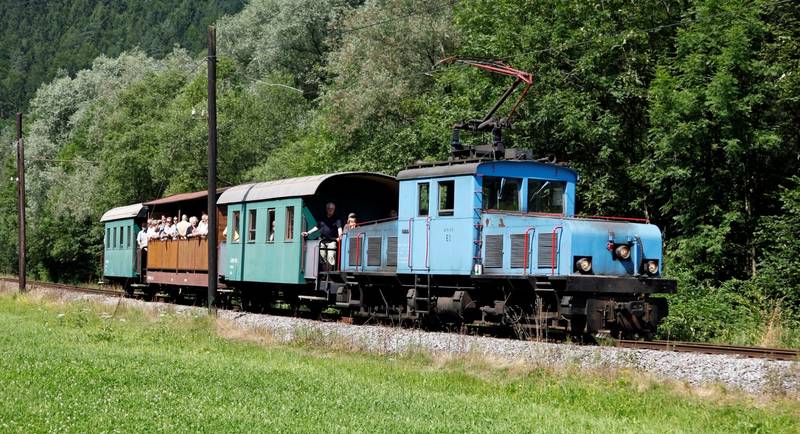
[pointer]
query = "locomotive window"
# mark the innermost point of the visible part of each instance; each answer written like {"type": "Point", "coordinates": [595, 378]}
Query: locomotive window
{"type": "Point", "coordinates": [289, 223]}
{"type": "Point", "coordinates": [235, 227]}
{"type": "Point", "coordinates": [270, 225]}
{"type": "Point", "coordinates": [423, 199]}
{"type": "Point", "coordinates": [546, 196]}
{"type": "Point", "coordinates": [446, 197]}
{"type": "Point", "coordinates": [251, 226]}
{"type": "Point", "coordinates": [501, 193]}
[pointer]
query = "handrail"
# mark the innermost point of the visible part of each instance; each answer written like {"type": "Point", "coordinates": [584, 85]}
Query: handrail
{"type": "Point", "coordinates": [410, 241]}
{"type": "Point", "coordinates": [338, 255]}
{"type": "Point", "coordinates": [427, 241]}
{"type": "Point", "coordinates": [553, 250]}
{"type": "Point", "coordinates": [358, 251]}
{"type": "Point", "coordinates": [565, 217]}
{"type": "Point", "coordinates": [527, 245]}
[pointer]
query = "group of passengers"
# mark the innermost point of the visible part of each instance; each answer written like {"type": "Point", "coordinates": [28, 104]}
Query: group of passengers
{"type": "Point", "coordinates": [164, 229]}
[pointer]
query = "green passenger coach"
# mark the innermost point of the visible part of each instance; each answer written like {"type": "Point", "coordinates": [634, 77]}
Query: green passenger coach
{"type": "Point", "coordinates": [262, 241]}
{"type": "Point", "coordinates": [121, 227]}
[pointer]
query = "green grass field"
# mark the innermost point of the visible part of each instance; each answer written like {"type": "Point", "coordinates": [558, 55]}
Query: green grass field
{"type": "Point", "coordinates": [76, 368]}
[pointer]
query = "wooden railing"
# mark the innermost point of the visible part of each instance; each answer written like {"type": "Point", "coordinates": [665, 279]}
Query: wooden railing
{"type": "Point", "coordinates": [178, 255]}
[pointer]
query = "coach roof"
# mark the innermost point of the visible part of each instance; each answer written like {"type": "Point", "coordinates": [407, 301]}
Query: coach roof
{"type": "Point", "coordinates": [457, 168]}
{"type": "Point", "coordinates": [124, 212]}
{"type": "Point", "coordinates": [293, 187]}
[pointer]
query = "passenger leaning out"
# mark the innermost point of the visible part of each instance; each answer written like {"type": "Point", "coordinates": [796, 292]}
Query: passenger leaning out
{"type": "Point", "coordinates": [330, 229]}
{"type": "Point", "coordinates": [152, 229]}
{"type": "Point", "coordinates": [192, 231]}
{"type": "Point", "coordinates": [351, 222]}
{"type": "Point", "coordinates": [170, 232]}
{"type": "Point", "coordinates": [202, 226]}
{"type": "Point", "coordinates": [183, 226]}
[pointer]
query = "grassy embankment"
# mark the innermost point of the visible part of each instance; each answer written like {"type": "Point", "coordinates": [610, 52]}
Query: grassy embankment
{"type": "Point", "coordinates": [82, 367]}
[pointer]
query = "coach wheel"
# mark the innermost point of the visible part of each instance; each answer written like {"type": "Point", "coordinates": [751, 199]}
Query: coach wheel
{"type": "Point", "coordinates": [247, 301]}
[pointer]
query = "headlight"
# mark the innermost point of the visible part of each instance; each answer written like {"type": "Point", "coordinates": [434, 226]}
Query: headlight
{"type": "Point", "coordinates": [584, 265]}
{"type": "Point", "coordinates": [623, 251]}
{"type": "Point", "coordinates": [651, 267]}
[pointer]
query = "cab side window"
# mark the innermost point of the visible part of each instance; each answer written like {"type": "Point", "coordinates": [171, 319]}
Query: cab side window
{"type": "Point", "coordinates": [446, 197]}
{"type": "Point", "coordinates": [423, 199]}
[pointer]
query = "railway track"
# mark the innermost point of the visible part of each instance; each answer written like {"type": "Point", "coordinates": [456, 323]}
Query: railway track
{"type": "Point", "coordinates": [695, 347]}
{"type": "Point", "coordinates": [677, 346]}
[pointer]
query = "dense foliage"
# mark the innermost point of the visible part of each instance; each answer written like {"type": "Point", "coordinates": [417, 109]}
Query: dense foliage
{"type": "Point", "coordinates": [684, 111]}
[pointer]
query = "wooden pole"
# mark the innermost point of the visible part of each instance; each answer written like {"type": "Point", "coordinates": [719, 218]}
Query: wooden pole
{"type": "Point", "coordinates": [212, 166]}
{"type": "Point", "coordinates": [21, 202]}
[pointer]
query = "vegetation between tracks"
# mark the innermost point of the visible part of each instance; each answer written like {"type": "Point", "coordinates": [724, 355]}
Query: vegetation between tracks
{"type": "Point", "coordinates": [89, 367]}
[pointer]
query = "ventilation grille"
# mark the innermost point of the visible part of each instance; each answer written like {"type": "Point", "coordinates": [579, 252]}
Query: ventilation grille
{"type": "Point", "coordinates": [494, 251]}
{"type": "Point", "coordinates": [391, 251]}
{"type": "Point", "coordinates": [518, 250]}
{"type": "Point", "coordinates": [353, 251]}
{"type": "Point", "coordinates": [545, 251]}
{"type": "Point", "coordinates": [374, 251]}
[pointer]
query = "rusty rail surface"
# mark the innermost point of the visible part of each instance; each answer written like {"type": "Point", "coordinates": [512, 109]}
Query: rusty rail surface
{"type": "Point", "coordinates": [696, 347]}
{"type": "Point", "coordinates": [33, 284]}
{"type": "Point", "coordinates": [688, 347]}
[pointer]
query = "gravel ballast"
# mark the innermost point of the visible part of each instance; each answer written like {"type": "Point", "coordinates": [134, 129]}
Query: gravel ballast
{"type": "Point", "coordinates": [748, 374]}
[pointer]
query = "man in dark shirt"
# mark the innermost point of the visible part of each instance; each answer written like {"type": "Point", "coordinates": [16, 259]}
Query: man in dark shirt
{"type": "Point", "coordinates": [330, 229]}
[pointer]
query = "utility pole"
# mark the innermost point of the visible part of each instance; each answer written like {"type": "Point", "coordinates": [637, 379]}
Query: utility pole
{"type": "Point", "coordinates": [212, 166]}
{"type": "Point", "coordinates": [21, 202]}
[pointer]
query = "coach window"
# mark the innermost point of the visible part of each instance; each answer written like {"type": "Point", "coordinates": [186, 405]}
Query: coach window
{"type": "Point", "coordinates": [251, 226]}
{"type": "Point", "coordinates": [546, 196]}
{"type": "Point", "coordinates": [501, 193]}
{"type": "Point", "coordinates": [121, 237]}
{"type": "Point", "coordinates": [108, 237]}
{"type": "Point", "coordinates": [114, 239]}
{"type": "Point", "coordinates": [235, 227]}
{"type": "Point", "coordinates": [424, 199]}
{"type": "Point", "coordinates": [270, 225]}
{"type": "Point", "coordinates": [289, 223]}
{"type": "Point", "coordinates": [128, 242]}
{"type": "Point", "coordinates": [446, 197]}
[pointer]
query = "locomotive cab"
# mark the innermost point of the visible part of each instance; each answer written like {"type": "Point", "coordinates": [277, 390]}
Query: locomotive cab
{"type": "Point", "coordinates": [499, 241]}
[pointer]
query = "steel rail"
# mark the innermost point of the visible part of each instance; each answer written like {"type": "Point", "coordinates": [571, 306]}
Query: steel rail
{"type": "Point", "coordinates": [705, 348]}
{"type": "Point", "coordinates": [33, 284]}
